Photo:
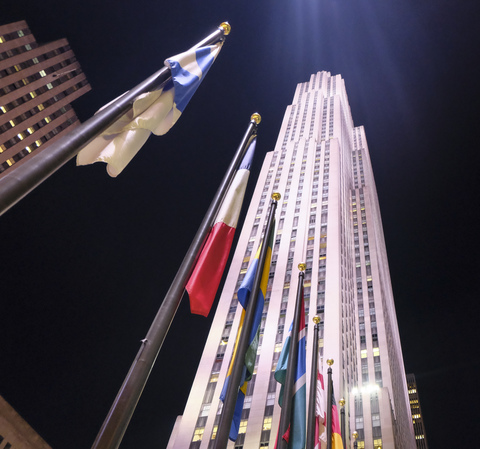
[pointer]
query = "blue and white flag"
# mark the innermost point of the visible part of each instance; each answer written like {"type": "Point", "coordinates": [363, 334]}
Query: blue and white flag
{"type": "Point", "coordinates": [153, 112]}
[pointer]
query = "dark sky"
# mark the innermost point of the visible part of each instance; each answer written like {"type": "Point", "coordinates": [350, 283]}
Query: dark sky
{"type": "Point", "coordinates": [87, 258]}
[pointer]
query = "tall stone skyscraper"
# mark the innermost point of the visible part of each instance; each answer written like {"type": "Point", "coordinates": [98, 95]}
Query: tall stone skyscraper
{"type": "Point", "coordinates": [37, 85]}
{"type": "Point", "coordinates": [328, 217]}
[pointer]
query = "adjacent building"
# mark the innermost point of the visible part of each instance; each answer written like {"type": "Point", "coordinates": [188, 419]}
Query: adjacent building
{"type": "Point", "coordinates": [15, 433]}
{"type": "Point", "coordinates": [417, 416]}
{"type": "Point", "coordinates": [329, 218]}
{"type": "Point", "coordinates": [37, 85]}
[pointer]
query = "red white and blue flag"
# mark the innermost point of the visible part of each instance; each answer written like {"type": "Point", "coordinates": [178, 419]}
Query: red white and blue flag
{"type": "Point", "coordinates": [205, 279]}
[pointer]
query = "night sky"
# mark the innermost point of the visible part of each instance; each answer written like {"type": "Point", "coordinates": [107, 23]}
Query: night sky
{"type": "Point", "coordinates": [87, 259]}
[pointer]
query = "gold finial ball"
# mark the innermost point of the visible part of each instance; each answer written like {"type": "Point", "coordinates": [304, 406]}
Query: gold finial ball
{"type": "Point", "coordinates": [330, 362]}
{"type": "Point", "coordinates": [316, 319]}
{"type": "Point", "coordinates": [256, 117]}
{"type": "Point", "coordinates": [342, 402]}
{"type": "Point", "coordinates": [276, 196]}
{"type": "Point", "coordinates": [355, 435]}
{"type": "Point", "coordinates": [302, 266]}
{"type": "Point", "coordinates": [225, 26]}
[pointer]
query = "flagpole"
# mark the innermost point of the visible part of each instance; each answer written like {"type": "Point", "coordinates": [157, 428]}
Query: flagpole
{"type": "Point", "coordinates": [329, 404]}
{"type": "Point", "coordinates": [312, 400]}
{"type": "Point", "coordinates": [288, 387]}
{"type": "Point", "coordinates": [231, 394]}
{"type": "Point", "coordinates": [342, 421]}
{"type": "Point", "coordinates": [118, 418]}
{"type": "Point", "coordinates": [22, 180]}
{"type": "Point", "coordinates": [355, 436]}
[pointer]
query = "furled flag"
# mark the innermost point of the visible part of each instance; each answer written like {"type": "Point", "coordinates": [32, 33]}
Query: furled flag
{"type": "Point", "coordinates": [336, 431]}
{"type": "Point", "coordinates": [296, 433]}
{"type": "Point", "coordinates": [320, 415]}
{"type": "Point", "coordinates": [203, 283]}
{"type": "Point", "coordinates": [250, 356]}
{"type": "Point", "coordinates": [153, 112]}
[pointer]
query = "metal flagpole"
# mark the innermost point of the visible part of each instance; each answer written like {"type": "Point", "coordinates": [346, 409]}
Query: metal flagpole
{"type": "Point", "coordinates": [312, 399]}
{"type": "Point", "coordinates": [342, 421]}
{"type": "Point", "coordinates": [21, 181]}
{"type": "Point", "coordinates": [329, 404]}
{"type": "Point", "coordinates": [118, 418]}
{"type": "Point", "coordinates": [231, 394]}
{"type": "Point", "coordinates": [355, 436]}
{"type": "Point", "coordinates": [288, 387]}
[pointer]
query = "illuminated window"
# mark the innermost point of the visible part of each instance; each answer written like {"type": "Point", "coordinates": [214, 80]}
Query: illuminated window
{"type": "Point", "coordinates": [17, 68]}
{"type": "Point", "coordinates": [48, 119]}
{"type": "Point", "coordinates": [214, 432]}
{"type": "Point", "coordinates": [28, 149]}
{"type": "Point", "coordinates": [35, 60]}
{"type": "Point", "coordinates": [377, 444]}
{"type": "Point", "coordinates": [10, 162]}
{"type": "Point", "coordinates": [243, 426]}
{"type": "Point", "coordinates": [376, 352]}
{"type": "Point", "coordinates": [49, 85]}
{"type": "Point", "coordinates": [214, 378]}
{"type": "Point", "coordinates": [361, 444]}
{"type": "Point", "coordinates": [267, 423]}
{"type": "Point", "coordinates": [2, 39]}
{"type": "Point", "coordinates": [198, 434]}
{"type": "Point", "coordinates": [278, 347]}
{"type": "Point", "coordinates": [40, 107]}
{"type": "Point", "coordinates": [363, 353]}
{"type": "Point", "coordinates": [33, 94]}
{"type": "Point", "coordinates": [2, 148]}
{"type": "Point", "coordinates": [20, 33]}
{"type": "Point", "coordinates": [38, 143]}
{"type": "Point", "coordinates": [30, 130]}
{"type": "Point", "coordinates": [20, 136]}
{"type": "Point", "coordinates": [12, 123]}
{"type": "Point", "coordinates": [42, 73]}
{"type": "Point", "coordinates": [3, 109]}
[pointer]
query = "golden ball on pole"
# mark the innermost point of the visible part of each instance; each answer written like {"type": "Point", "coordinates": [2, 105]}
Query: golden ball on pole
{"type": "Point", "coordinates": [225, 26]}
{"type": "Point", "coordinates": [256, 117]}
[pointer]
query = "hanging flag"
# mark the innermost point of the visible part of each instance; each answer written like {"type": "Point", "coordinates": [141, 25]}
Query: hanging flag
{"type": "Point", "coordinates": [320, 415]}
{"type": "Point", "coordinates": [296, 433]}
{"type": "Point", "coordinates": [203, 283]}
{"type": "Point", "coordinates": [251, 354]}
{"type": "Point", "coordinates": [336, 430]}
{"type": "Point", "coordinates": [153, 112]}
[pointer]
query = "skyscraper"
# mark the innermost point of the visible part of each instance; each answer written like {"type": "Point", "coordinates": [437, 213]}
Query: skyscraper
{"type": "Point", "coordinates": [329, 218]}
{"type": "Point", "coordinates": [417, 416]}
{"type": "Point", "coordinates": [37, 85]}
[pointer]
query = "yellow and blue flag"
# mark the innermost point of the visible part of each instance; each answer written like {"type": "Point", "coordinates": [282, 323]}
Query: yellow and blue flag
{"type": "Point", "coordinates": [243, 297]}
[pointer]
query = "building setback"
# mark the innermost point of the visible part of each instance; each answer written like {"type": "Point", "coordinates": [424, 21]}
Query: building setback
{"type": "Point", "coordinates": [417, 416]}
{"type": "Point", "coordinates": [329, 218]}
{"type": "Point", "coordinates": [37, 85]}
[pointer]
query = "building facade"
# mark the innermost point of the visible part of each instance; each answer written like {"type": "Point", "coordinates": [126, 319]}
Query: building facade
{"type": "Point", "coordinates": [37, 85]}
{"type": "Point", "coordinates": [15, 432]}
{"type": "Point", "coordinates": [329, 218]}
{"type": "Point", "coordinates": [417, 416]}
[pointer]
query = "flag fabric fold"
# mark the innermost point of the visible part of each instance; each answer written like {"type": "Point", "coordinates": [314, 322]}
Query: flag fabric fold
{"type": "Point", "coordinates": [204, 281]}
{"type": "Point", "coordinates": [296, 433]}
{"type": "Point", "coordinates": [336, 430]}
{"type": "Point", "coordinates": [320, 414]}
{"type": "Point", "coordinates": [153, 112]}
{"type": "Point", "coordinates": [243, 298]}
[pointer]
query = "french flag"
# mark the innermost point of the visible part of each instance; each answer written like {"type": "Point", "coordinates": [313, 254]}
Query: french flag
{"type": "Point", "coordinates": [205, 279]}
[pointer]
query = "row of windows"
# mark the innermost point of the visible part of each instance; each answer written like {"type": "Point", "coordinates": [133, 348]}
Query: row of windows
{"type": "Point", "coordinates": [36, 60]}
